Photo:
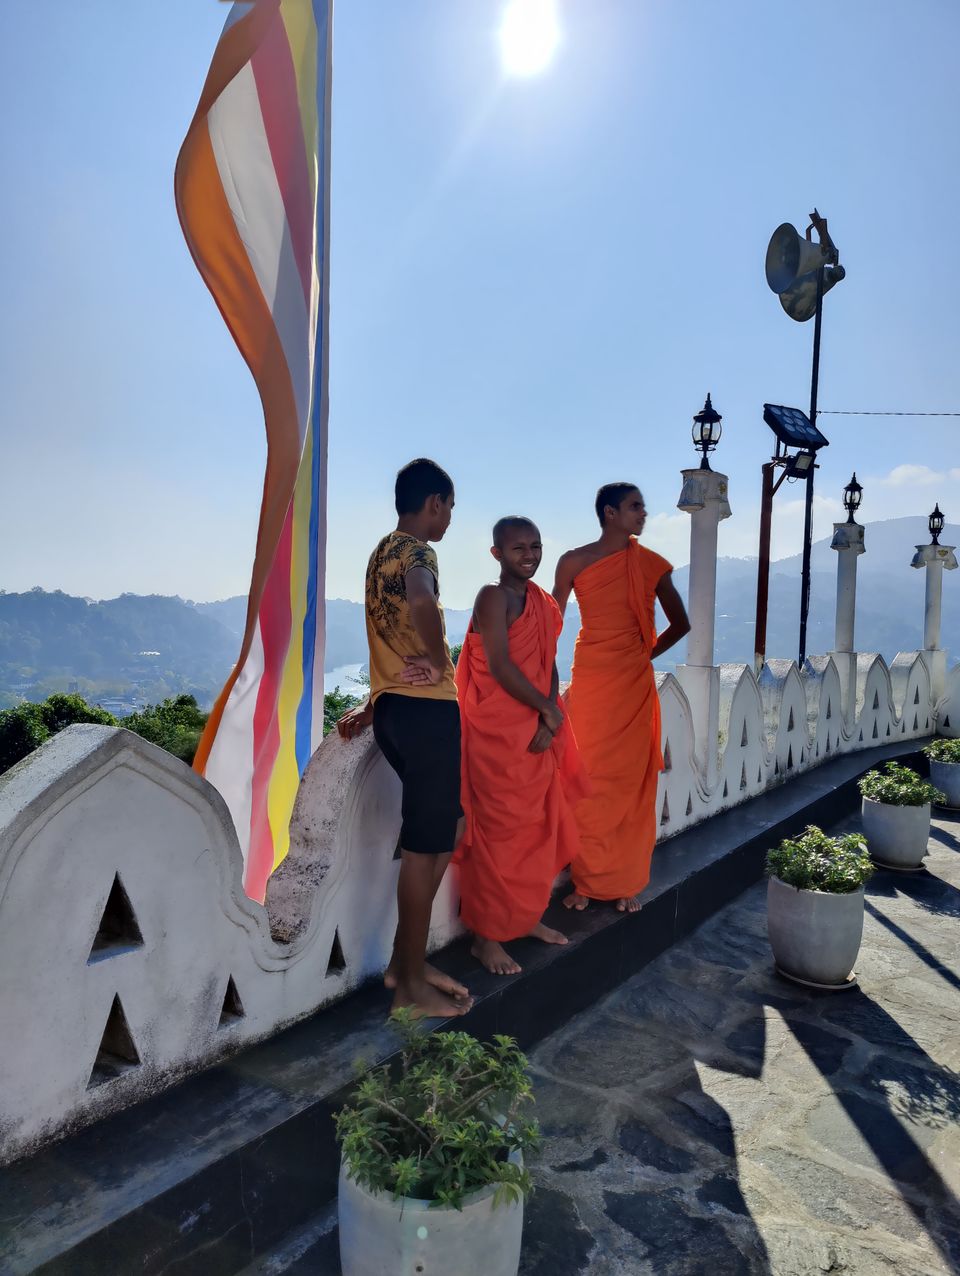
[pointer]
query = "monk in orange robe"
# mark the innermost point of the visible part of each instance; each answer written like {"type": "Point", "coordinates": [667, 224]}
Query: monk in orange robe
{"type": "Point", "coordinates": [521, 772]}
{"type": "Point", "coordinates": [612, 701]}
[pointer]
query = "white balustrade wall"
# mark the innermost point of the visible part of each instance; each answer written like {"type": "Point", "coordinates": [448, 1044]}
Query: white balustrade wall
{"type": "Point", "coordinates": [130, 956]}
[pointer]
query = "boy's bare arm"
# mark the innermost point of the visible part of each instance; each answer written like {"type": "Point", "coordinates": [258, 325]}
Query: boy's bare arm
{"type": "Point", "coordinates": [420, 585]}
{"type": "Point", "coordinates": [490, 614]}
{"type": "Point", "coordinates": [677, 623]}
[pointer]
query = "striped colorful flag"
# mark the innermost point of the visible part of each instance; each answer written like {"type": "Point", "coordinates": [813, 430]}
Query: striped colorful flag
{"type": "Point", "coordinates": [253, 194]}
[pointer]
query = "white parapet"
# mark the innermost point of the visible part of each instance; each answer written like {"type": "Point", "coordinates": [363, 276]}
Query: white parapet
{"type": "Point", "coordinates": [129, 954]}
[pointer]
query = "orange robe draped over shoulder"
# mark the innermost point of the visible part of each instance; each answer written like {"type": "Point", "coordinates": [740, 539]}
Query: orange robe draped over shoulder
{"type": "Point", "coordinates": [520, 825]}
{"type": "Point", "coordinates": [615, 712]}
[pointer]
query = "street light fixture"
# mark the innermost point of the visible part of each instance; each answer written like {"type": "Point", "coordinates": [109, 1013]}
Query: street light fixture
{"type": "Point", "coordinates": [706, 431]}
{"type": "Point", "coordinates": [852, 496]}
{"type": "Point", "coordinates": [798, 442]}
{"type": "Point", "coordinates": [800, 272]}
{"type": "Point", "coordinates": [935, 524]}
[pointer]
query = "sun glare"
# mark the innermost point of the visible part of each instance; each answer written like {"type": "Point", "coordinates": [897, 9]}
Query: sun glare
{"type": "Point", "coordinates": [529, 36]}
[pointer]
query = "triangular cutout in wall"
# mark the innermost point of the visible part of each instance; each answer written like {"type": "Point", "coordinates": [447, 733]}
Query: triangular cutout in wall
{"type": "Point", "coordinates": [689, 804]}
{"type": "Point", "coordinates": [232, 1008]}
{"type": "Point", "coordinates": [916, 723]}
{"type": "Point", "coordinates": [743, 735]}
{"type": "Point", "coordinates": [790, 720]}
{"type": "Point", "coordinates": [726, 789]}
{"type": "Point", "coordinates": [759, 775]}
{"type": "Point", "coordinates": [916, 696]}
{"type": "Point", "coordinates": [117, 1053]}
{"type": "Point", "coordinates": [743, 777]}
{"type": "Point", "coordinates": [888, 728]}
{"type": "Point", "coordinates": [337, 963]}
{"type": "Point", "coordinates": [946, 721]}
{"type": "Point", "coordinates": [829, 709]}
{"type": "Point", "coordinates": [876, 700]}
{"type": "Point", "coordinates": [876, 731]}
{"type": "Point", "coordinates": [119, 930]}
{"type": "Point", "coordinates": [667, 760]}
{"type": "Point", "coordinates": [665, 813]}
{"type": "Point", "coordinates": [790, 758]}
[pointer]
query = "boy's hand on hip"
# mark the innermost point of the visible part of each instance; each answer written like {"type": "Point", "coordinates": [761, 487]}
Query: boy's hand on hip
{"type": "Point", "coordinates": [354, 721]}
{"type": "Point", "coordinates": [419, 671]}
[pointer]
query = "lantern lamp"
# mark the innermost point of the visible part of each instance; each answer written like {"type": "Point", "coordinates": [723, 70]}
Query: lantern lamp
{"type": "Point", "coordinates": [852, 496]}
{"type": "Point", "coordinates": [706, 431]}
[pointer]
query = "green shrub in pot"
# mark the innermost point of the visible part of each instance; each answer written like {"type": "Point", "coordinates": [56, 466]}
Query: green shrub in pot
{"type": "Point", "coordinates": [432, 1174]}
{"type": "Point", "coordinates": [896, 815]}
{"type": "Point", "coordinates": [815, 906]}
{"type": "Point", "coordinates": [944, 758]}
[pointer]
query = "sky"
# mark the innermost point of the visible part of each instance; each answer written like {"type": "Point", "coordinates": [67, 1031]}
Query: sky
{"type": "Point", "coordinates": [535, 280]}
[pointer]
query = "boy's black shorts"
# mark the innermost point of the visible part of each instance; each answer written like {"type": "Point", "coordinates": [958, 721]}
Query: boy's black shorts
{"type": "Point", "coordinates": [420, 738]}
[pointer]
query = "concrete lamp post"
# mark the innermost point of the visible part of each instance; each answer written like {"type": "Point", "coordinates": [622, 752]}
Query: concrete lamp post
{"type": "Point", "coordinates": [704, 498]}
{"type": "Point", "coordinates": [848, 541]}
{"type": "Point", "coordinates": [935, 558]}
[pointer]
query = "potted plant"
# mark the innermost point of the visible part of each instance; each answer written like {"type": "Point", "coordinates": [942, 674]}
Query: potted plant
{"type": "Point", "coordinates": [432, 1176]}
{"type": "Point", "coordinates": [815, 906]}
{"type": "Point", "coordinates": [896, 815]}
{"type": "Point", "coordinates": [944, 758]}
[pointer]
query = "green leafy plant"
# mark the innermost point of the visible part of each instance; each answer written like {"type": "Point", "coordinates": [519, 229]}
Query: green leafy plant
{"type": "Point", "coordinates": [943, 751]}
{"type": "Point", "coordinates": [26, 726]}
{"type": "Point", "coordinates": [175, 725]}
{"type": "Point", "coordinates": [817, 862]}
{"type": "Point", "coordinates": [901, 786]}
{"type": "Point", "coordinates": [444, 1122]}
{"type": "Point", "coordinates": [335, 704]}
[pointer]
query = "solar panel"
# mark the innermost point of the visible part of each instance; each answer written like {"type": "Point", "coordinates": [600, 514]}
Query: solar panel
{"type": "Point", "coordinates": [793, 427]}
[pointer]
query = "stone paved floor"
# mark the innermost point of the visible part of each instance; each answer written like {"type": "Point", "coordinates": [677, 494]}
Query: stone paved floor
{"type": "Point", "coordinates": [711, 1119]}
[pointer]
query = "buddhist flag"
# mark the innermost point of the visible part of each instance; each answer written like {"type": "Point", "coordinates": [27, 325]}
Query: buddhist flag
{"type": "Point", "coordinates": [252, 187]}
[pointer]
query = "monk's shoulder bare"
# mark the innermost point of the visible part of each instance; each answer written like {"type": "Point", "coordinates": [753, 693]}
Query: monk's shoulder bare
{"type": "Point", "coordinates": [574, 560]}
{"type": "Point", "coordinates": [490, 602]}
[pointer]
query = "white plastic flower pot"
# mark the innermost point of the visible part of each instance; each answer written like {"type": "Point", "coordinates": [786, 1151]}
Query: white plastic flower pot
{"type": "Point", "coordinates": [815, 936]}
{"type": "Point", "coordinates": [945, 776]}
{"type": "Point", "coordinates": [383, 1237]}
{"type": "Point", "coordinates": [896, 836]}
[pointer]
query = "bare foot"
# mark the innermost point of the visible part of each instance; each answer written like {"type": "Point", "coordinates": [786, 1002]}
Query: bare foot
{"type": "Point", "coordinates": [628, 905]}
{"type": "Point", "coordinates": [494, 957]}
{"type": "Point", "coordinates": [436, 978]}
{"type": "Point", "coordinates": [577, 901]}
{"type": "Point", "coordinates": [428, 1002]}
{"type": "Point", "coordinates": [548, 934]}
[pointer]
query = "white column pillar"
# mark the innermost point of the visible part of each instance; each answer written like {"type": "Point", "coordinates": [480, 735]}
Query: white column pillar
{"type": "Point", "coordinates": [704, 498]}
{"type": "Point", "coordinates": [935, 558]}
{"type": "Point", "coordinates": [848, 541]}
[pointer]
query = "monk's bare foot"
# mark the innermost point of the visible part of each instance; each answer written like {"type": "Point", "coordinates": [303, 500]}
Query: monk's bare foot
{"type": "Point", "coordinates": [577, 901]}
{"type": "Point", "coordinates": [428, 1002]}
{"type": "Point", "coordinates": [548, 934]}
{"type": "Point", "coordinates": [494, 957]}
{"type": "Point", "coordinates": [629, 904]}
{"type": "Point", "coordinates": [436, 978]}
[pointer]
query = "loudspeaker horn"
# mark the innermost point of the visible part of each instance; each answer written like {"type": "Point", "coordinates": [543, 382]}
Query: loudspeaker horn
{"type": "Point", "coordinates": [800, 300]}
{"type": "Point", "coordinates": [789, 256]}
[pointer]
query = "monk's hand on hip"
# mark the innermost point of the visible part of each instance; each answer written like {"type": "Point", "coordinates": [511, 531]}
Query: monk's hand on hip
{"type": "Point", "coordinates": [542, 740]}
{"type": "Point", "coordinates": [552, 718]}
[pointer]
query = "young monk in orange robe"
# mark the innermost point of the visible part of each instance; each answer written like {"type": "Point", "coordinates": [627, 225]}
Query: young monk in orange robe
{"type": "Point", "coordinates": [612, 701]}
{"type": "Point", "coordinates": [521, 772]}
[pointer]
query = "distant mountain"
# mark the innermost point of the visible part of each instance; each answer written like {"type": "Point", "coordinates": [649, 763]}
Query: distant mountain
{"type": "Point", "coordinates": [138, 649]}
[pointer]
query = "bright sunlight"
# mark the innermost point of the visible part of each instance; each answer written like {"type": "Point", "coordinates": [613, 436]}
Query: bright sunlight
{"type": "Point", "coordinates": [529, 36]}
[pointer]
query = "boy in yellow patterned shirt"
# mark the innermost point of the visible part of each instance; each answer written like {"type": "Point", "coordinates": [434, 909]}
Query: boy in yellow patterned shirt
{"type": "Point", "coordinates": [416, 722]}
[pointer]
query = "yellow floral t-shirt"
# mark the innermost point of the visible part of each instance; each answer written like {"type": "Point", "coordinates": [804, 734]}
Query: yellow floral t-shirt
{"type": "Point", "coordinates": [390, 631]}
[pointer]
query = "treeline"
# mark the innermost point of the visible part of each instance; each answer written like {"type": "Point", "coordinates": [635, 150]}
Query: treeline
{"type": "Point", "coordinates": [174, 725]}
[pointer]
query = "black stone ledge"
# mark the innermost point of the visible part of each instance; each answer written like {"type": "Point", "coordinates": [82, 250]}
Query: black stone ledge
{"type": "Point", "coordinates": [214, 1171]}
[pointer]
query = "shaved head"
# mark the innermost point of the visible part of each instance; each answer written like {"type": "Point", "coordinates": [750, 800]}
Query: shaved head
{"type": "Point", "coordinates": [504, 526]}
